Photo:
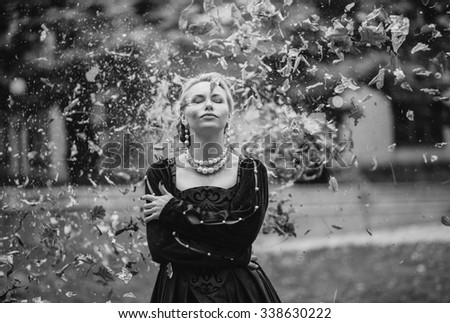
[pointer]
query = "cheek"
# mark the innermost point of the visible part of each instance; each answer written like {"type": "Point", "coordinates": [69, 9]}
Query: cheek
{"type": "Point", "coordinates": [191, 114]}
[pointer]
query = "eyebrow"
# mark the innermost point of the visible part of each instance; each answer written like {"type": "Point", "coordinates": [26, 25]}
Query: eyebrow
{"type": "Point", "coordinates": [203, 95]}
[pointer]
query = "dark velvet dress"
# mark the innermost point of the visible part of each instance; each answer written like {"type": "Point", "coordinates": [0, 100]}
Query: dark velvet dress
{"type": "Point", "coordinates": [203, 238]}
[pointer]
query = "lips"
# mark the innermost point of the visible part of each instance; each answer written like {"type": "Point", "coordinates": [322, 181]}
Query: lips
{"type": "Point", "coordinates": [209, 115]}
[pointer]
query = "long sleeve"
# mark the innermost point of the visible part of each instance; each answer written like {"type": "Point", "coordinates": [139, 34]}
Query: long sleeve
{"type": "Point", "coordinates": [189, 236]}
{"type": "Point", "coordinates": [237, 228]}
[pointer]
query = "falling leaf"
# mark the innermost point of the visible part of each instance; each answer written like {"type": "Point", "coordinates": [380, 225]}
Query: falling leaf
{"type": "Point", "coordinates": [313, 86]}
{"type": "Point", "coordinates": [399, 30]}
{"type": "Point", "coordinates": [129, 295]}
{"type": "Point", "coordinates": [208, 6]}
{"type": "Point", "coordinates": [223, 63]}
{"type": "Point", "coordinates": [433, 158]}
{"type": "Point", "coordinates": [183, 20]}
{"type": "Point", "coordinates": [367, 98]}
{"type": "Point", "coordinates": [44, 32]}
{"type": "Point", "coordinates": [420, 47]}
{"type": "Point", "coordinates": [349, 7]}
{"type": "Point", "coordinates": [431, 28]}
{"type": "Point", "coordinates": [286, 85]}
{"type": "Point", "coordinates": [336, 227]}
{"type": "Point", "coordinates": [87, 259]}
{"type": "Point", "coordinates": [445, 220]}
{"type": "Point", "coordinates": [424, 156]}
{"type": "Point", "coordinates": [372, 35]}
{"type": "Point", "coordinates": [333, 184]}
{"type": "Point", "coordinates": [71, 294]}
{"type": "Point", "coordinates": [71, 105]}
{"type": "Point", "coordinates": [60, 273]}
{"type": "Point", "coordinates": [379, 13]}
{"type": "Point", "coordinates": [307, 231]}
{"type": "Point", "coordinates": [391, 148]}
{"type": "Point", "coordinates": [98, 212]}
{"type": "Point", "coordinates": [6, 260]}
{"type": "Point", "coordinates": [369, 232]}
{"type": "Point", "coordinates": [124, 191]}
{"type": "Point", "coordinates": [378, 80]}
{"type": "Point", "coordinates": [346, 83]}
{"type": "Point", "coordinates": [109, 180]}
{"type": "Point", "coordinates": [374, 164]}
{"type": "Point", "coordinates": [124, 275]}
{"type": "Point", "coordinates": [406, 86]}
{"type": "Point", "coordinates": [410, 115]}
{"type": "Point", "coordinates": [31, 203]}
{"type": "Point", "coordinates": [399, 75]}
{"type": "Point", "coordinates": [440, 145]}
{"type": "Point", "coordinates": [430, 91]}
{"type": "Point", "coordinates": [92, 73]}
{"type": "Point", "coordinates": [92, 182]}
{"type": "Point", "coordinates": [422, 72]}
{"type": "Point", "coordinates": [441, 98]}
{"type": "Point", "coordinates": [357, 111]}
{"type": "Point", "coordinates": [105, 272]}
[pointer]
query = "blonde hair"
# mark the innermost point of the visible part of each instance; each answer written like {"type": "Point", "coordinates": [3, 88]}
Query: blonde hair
{"type": "Point", "coordinates": [216, 79]}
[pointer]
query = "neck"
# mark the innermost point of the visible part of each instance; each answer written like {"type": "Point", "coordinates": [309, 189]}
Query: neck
{"type": "Point", "coordinates": [205, 147]}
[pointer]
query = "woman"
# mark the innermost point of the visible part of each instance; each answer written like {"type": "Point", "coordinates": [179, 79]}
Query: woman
{"type": "Point", "coordinates": [205, 208]}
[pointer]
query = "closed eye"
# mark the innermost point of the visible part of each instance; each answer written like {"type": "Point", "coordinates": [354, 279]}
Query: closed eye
{"type": "Point", "coordinates": [198, 99]}
{"type": "Point", "coordinates": [217, 98]}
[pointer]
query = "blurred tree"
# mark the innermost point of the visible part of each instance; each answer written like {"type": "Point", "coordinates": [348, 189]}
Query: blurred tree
{"type": "Point", "coordinates": [114, 64]}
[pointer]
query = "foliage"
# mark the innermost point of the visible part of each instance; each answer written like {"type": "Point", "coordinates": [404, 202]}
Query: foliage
{"type": "Point", "coordinates": [116, 68]}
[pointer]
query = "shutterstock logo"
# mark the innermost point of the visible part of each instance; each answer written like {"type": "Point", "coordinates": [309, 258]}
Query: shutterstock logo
{"type": "Point", "coordinates": [128, 154]}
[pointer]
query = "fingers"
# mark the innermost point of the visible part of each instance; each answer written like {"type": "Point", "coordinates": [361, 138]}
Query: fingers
{"type": "Point", "coordinates": [253, 265]}
{"type": "Point", "coordinates": [253, 257]}
{"type": "Point", "coordinates": [148, 212]}
{"type": "Point", "coordinates": [149, 206]}
{"type": "Point", "coordinates": [148, 197]}
{"type": "Point", "coordinates": [152, 217]}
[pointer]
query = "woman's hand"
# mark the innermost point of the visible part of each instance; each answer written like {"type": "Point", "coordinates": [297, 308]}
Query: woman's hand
{"type": "Point", "coordinates": [252, 263]}
{"type": "Point", "coordinates": [153, 209]}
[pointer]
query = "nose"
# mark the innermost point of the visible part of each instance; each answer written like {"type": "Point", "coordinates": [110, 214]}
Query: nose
{"type": "Point", "coordinates": [208, 105]}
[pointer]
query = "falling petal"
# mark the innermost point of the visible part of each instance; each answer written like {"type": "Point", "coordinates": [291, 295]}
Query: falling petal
{"type": "Point", "coordinates": [440, 145]}
{"type": "Point", "coordinates": [92, 73]}
{"type": "Point", "coordinates": [420, 47]}
{"type": "Point", "coordinates": [410, 115]}
{"type": "Point", "coordinates": [333, 184]}
{"type": "Point", "coordinates": [125, 275]}
{"type": "Point", "coordinates": [445, 220]}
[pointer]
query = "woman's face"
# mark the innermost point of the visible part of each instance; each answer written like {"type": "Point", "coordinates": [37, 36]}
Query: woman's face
{"type": "Point", "coordinates": [206, 111]}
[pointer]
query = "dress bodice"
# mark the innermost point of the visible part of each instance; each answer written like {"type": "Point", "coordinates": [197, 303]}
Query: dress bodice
{"type": "Point", "coordinates": [208, 198]}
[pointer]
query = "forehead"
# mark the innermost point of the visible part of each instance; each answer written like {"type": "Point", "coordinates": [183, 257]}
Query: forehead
{"type": "Point", "coordinates": [204, 88]}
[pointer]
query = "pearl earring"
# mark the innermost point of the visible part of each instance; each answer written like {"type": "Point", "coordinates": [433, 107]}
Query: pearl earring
{"type": "Point", "coordinates": [186, 136]}
{"type": "Point", "coordinates": [227, 135]}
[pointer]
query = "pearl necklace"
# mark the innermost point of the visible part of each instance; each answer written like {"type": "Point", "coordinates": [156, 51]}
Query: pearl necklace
{"type": "Point", "coordinates": [209, 166]}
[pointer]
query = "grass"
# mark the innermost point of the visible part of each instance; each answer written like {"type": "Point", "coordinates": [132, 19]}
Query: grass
{"type": "Point", "coordinates": [60, 254]}
{"type": "Point", "coordinates": [396, 273]}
